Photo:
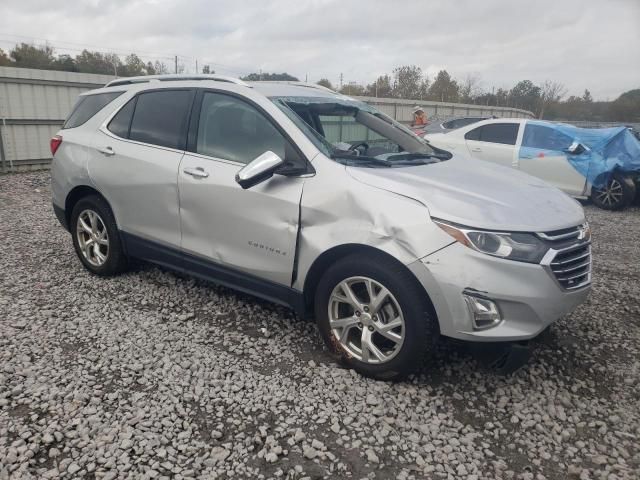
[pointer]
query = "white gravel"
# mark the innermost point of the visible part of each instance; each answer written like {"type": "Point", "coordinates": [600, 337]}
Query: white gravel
{"type": "Point", "coordinates": [152, 375]}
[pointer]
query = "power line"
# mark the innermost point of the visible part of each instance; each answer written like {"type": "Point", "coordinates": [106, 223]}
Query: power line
{"type": "Point", "coordinates": [83, 45]}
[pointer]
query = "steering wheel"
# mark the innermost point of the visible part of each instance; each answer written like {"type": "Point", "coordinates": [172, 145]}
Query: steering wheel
{"type": "Point", "coordinates": [355, 146]}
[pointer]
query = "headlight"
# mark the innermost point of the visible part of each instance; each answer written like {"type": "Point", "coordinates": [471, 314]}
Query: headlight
{"type": "Point", "coordinates": [522, 247]}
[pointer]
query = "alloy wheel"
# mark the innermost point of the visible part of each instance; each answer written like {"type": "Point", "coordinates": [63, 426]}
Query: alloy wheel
{"type": "Point", "coordinates": [366, 319]}
{"type": "Point", "coordinates": [611, 194]}
{"type": "Point", "coordinates": [93, 238]}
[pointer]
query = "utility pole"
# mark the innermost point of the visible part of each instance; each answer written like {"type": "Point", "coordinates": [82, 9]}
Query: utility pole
{"type": "Point", "coordinates": [197, 71]}
{"type": "Point", "coordinates": [306, 76]}
{"type": "Point", "coordinates": [341, 81]}
{"type": "Point", "coordinates": [176, 61]}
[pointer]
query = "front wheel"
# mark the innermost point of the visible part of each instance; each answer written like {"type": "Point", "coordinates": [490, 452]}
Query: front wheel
{"type": "Point", "coordinates": [374, 317]}
{"type": "Point", "coordinates": [617, 193]}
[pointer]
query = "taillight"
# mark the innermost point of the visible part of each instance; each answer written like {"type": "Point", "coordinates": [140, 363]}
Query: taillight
{"type": "Point", "coordinates": [54, 143]}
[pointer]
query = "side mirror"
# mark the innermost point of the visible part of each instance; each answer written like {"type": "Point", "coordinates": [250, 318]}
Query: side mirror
{"type": "Point", "coordinates": [576, 148]}
{"type": "Point", "coordinates": [258, 170]}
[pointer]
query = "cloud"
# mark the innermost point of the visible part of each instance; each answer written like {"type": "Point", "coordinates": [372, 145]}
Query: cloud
{"type": "Point", "coordinates": [584, 44]}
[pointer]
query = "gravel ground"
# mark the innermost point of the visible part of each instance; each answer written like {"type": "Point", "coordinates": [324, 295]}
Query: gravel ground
{"type": "Point", "coordinates": [154, 375]}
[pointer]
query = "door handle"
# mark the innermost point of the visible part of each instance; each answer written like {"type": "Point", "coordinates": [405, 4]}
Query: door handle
{"type": "Point", "coordinates": [476, 149]}
{"type": "Point", "coordinates": [197, 172]}
{"type": "Point", "coordinates": [108, 151]}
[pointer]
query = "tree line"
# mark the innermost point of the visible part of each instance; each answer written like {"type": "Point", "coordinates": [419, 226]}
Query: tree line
{"type": "Point", "coordinates": [548, 100]}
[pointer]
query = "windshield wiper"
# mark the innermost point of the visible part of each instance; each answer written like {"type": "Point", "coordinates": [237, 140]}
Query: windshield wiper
{"type": "Point", "coordinates": [412, 157]}
{"type": "Point", "coordinates": [360, 159]}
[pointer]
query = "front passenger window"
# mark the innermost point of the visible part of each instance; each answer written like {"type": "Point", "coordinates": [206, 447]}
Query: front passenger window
{"type": "Point", "coordinates": [231, 129]}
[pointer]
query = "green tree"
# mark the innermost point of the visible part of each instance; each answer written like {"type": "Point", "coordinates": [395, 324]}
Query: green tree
{"type": "Point", "coordinates": [325, 83]}
{"type": "Point", "coordinates": [352, 88]}
{"type": "Point", "coordinates": [29, 56]}
{"type": "Point", "coordinates": [207, 69]}
{"type": "Point", "coordinates": [133, 66]}
{"type": "Point", "coordinates": [525, 95]}
{"type": "Point", "coordinates": [66, 63]}
{"type": "Point", "coordinates": [586, 96]}
{"type": "Point", "coordinates": [97, 62]}
{"type": "Point", "coordinates": [277, 77]}
{"type": "Point", "coordinates": [444, 88]}
{"type": "Point", "coordinates": [382, 87]}
{"type": "Point", "coordinates": [626, 108]}
{"type": "Point", "coordinates": [408, 82]}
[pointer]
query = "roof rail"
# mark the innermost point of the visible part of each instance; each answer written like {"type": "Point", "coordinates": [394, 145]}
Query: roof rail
{"type": "Point", "coordinates": [173, 78]}
{"type": "Point", "coordinates": [299, 84]}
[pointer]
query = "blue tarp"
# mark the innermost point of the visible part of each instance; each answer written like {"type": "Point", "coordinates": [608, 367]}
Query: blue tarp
{"type": "Point", "coordinates": [606, 149]}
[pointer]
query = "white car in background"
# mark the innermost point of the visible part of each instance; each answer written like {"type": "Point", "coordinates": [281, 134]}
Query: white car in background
{"type": "Point", "coordinates": [541, 149]}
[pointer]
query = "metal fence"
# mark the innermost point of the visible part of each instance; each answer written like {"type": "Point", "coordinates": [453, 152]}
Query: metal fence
{"type": "Point", "coordinates": [34, 104]}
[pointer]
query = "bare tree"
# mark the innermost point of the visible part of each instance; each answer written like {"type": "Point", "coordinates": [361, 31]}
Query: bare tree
{"type": "Point", "coordinates": [550, 92]}
{"type": "Point", "coordinates": [470, 88]}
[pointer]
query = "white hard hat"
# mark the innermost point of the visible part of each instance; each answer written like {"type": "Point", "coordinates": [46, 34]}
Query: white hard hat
{"type": "Point", "coordinates": [418, 108]}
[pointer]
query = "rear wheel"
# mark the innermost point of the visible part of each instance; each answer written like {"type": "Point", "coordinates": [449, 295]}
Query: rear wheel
{"type": "Point", "coordinates": [96, 238]}
{"type": "Point", "coordinates": [617, 194]}
{"type": "Point", "coordinates": [374, 317]}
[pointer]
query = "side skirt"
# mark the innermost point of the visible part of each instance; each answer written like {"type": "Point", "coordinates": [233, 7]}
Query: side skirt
{"type": "Point", "coordinates": [174, 259]}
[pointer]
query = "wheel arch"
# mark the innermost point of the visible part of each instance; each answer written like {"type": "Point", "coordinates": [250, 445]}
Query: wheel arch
{"type": "Point", "coordinates": [75, 195]}
{"type": "Point", "coordinates": [335, 254]}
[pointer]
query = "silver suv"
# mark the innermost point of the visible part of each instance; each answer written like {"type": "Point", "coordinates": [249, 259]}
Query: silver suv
{"type": "Point", "coordinates": [311, 199]}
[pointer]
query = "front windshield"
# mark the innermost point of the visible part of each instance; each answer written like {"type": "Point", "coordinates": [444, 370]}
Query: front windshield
{"type": "Point", "coordinates": [354, 133]}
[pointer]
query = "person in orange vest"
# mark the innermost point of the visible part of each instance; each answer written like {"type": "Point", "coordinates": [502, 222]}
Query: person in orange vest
{"type": "Point", "coordinates": [419, 117]}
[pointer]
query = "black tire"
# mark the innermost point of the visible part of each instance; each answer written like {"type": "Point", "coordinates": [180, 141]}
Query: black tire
{"type": "Point", "coordinates": [116, 260]}
{"type": "Point", "coordinates": [421, 328]}
{"type": "Point", "coordinates": [618, 193]}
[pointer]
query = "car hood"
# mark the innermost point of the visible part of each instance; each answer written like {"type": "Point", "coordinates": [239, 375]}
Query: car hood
{"type": "Point", "coordinates": [479, 194]}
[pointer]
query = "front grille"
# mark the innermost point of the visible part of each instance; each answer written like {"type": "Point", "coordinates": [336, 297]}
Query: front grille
{"type": "Point", "coordinates": [572, 266]}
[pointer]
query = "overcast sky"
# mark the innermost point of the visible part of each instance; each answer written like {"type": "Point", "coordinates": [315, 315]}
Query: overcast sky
{"type": "Point", "coordinates": [592, 44]}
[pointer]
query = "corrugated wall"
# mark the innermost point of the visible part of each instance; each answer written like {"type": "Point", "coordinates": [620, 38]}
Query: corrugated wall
{"type": "Point", "coordinates": [34, 104]}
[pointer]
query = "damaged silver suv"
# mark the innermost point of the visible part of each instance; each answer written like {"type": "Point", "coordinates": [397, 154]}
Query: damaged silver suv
{"type": "Point", "coordinates": [307, 198]}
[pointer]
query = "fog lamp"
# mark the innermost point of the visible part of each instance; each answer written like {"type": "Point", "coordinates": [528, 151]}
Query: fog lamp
{"type": "Point", "coordinates": [484, 312]}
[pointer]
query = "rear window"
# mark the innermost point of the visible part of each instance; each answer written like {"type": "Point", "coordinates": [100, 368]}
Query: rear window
{"type": "Point", "coordinates": [87, 106]}
{"type": "Point", "coordinates": [505, 133]}
{"type": "Point", "coordinates": [121, 122]}
{"type": "Point", "coordinates": [161, 118]}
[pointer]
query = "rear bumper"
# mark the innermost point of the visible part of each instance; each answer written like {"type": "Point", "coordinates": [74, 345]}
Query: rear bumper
{"type": "Point", "coordinates": [61, 216]}
{"type": "Point", "coordinates": [528, 297]}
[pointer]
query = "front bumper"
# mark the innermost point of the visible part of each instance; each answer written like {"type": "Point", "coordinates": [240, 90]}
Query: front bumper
{"type": "Point", "coordinates": [527, 295]}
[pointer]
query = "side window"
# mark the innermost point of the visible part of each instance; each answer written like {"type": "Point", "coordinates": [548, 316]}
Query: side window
{"type": "Point", "coordinates": [473, 134]}
{"type": "Point", "coordinates": [161, 118]}
{"type": "Point", "coordinates": [121, 122]}
{"type": "Point", "coordinates": [545, 138]}
{"type": "Point", "coordinates": [87, 106]}
{"type": "Point", "coordinates": [505, 133]}
{"type": "Point", "coordinates": [232, 129]}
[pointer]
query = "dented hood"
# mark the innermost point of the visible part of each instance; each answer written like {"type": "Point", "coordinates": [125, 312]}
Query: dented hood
{"type": "Point", "coordinates": [479, 194]}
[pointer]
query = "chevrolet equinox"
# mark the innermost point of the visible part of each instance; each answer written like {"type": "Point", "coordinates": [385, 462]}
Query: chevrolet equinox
{"type": "Point", "coordinates": [314, 200]}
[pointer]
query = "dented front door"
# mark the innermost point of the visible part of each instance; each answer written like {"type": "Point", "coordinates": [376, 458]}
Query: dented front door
{"type": "Point", "coordinates": [251, 230]}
